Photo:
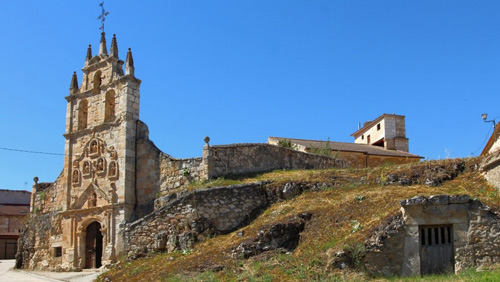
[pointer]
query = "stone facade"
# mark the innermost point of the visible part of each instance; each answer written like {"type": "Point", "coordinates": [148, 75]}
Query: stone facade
{"type": "Point", "coordinates": [417, 241]}
{"type": "Point", "coordinates": [490, 168]}
{"type": "Point", "coordinates": [113, 173]}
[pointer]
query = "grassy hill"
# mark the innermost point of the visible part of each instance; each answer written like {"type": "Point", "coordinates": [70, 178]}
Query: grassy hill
{"type": "Point", "coordinates": [344, 206]}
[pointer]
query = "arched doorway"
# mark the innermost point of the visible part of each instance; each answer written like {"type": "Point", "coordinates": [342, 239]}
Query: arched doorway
{"type": "Point", "coordinates": [93, 245]}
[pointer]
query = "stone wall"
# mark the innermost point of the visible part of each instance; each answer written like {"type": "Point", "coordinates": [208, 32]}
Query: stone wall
{"type": "Point", "coordinates": [361, 159]}
{"type": "Point", "coordinates": [48, 196]}
{"type": "Point", "coordinates": [396, 247]}
{"type": "Point", "coordinates": [238, 159]}
{"type": "Point", "coordinates": [159, 174]}
{"type": "Point", "coordinates": [148, 177]}
{"type": "Point", "coordinates": [181, 221]}
{"type": "Point", "coordinates": [176, 173]}
{"type": "Point", "coordinates": [374, 160]}
{"type": "Point", "coordinates": [39, 236]}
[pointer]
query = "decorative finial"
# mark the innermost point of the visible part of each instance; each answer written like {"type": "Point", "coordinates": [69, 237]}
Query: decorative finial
{"type": "Point", "coordinates": [103, 15]}
{"type": "Point", "coordinates": [35, 179]}
{"type": "Point", "coordinates": [89, 55]}
{"type": "Point", "coordinates": [73, 88]}
{"type": "Point", "coordinates": [103, 50]}
{"type": "Point", "coordinates": [113, 52]}
{"type": "Point", "coordinates": [207, 140]}
{"type": "Point", "coordinates": [129, 64]}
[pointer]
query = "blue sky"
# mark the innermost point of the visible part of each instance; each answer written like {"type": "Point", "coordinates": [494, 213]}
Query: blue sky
{"type": "Point", "coordinates": [240, 71]}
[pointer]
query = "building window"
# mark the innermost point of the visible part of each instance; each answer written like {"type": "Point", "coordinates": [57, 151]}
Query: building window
{"type": "Point", "coordinates": [109, 110]}
{"type": "Point", "coordinates": [362, 137]}
{"type": "Point", "coordinates": [378, 126]}
{"type": "Point", "coordinates": [97, 82]}
{"type": "Point", "coordinates": [57, 252]}
{"type": "Point", "coordinates": [83, 111]}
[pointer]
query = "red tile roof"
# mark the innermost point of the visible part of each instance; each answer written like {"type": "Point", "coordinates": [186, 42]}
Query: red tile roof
{"type": "Point", "coordinates": [14, 210]}
{"type": "Point", "coordinates": [491, 141]}
{"type": "Point", "coordinates": [350, 147]}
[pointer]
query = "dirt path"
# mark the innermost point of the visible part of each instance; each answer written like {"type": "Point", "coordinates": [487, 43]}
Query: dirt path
{"type": "Point", "coordinates": [8, 273]}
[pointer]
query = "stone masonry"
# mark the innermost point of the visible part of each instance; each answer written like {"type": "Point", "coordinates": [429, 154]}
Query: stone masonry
{"type": "Point", "coordinates": [180, 222]}
{"type": "Point", "coordinates": [113, 174]}
{"type": "Point", "coordinates": [465, 227]}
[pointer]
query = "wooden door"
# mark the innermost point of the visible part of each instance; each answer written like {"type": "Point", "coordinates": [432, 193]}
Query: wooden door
{"type": "Point", "coordinates": [93, 246]}
{"type": "Point", "coordinates": [436, 249]}
{"type": "Point", "coordinates": [10, 250]}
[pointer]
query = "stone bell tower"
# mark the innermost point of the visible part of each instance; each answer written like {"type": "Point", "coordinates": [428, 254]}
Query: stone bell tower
{"type": "Point", "coordinates": [99, 169]}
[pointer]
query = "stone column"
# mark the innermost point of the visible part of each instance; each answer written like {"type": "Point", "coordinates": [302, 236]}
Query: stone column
{"type": "Point", "coordinates": [207, 160]}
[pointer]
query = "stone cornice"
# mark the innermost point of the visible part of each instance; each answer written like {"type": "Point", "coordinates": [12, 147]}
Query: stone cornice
{"type": "Point", "coordinates": [98, 62]}
{"type": "Point", "coordinates": [98, 128]}
{"type": "Point", "coordinates": [95, 210]}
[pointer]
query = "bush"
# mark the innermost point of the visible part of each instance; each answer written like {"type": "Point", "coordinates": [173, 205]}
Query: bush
{"type": "Point", "coordinates": [287, 143]}
{"type": "Point", "coordinates": [324, 150]}
{"type": "Point", "coordinates": [355, 253]}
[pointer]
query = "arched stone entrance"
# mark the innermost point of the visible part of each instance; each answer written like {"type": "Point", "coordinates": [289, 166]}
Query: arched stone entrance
{"type": "Point", "coordinates": [93, 245]}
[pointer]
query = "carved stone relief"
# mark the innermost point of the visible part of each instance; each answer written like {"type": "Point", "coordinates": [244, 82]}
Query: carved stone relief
{"type": "Point", "coordinates": [97, 161]}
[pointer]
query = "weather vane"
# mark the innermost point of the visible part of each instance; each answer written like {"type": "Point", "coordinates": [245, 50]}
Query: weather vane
{"type": "Point", "coordinates": [102, 17]}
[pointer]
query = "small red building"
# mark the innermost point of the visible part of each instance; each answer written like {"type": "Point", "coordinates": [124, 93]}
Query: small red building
{"type": "Point", "coordinates": [14, 206]}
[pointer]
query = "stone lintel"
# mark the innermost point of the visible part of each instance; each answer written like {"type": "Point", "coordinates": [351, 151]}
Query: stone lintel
{"type": "Point", "coordinates": [417, 200]}
{"type": "Point", "coordinates": [459, 199]}
{"type": "Point", "coordinates": [436, 200]}
{"type": "Point", "coordinates": [439, 200]}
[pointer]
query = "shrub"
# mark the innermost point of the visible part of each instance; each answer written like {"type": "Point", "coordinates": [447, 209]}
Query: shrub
{"type": "Point", "coordinates": [287, 143]}
{"type": "Point", "coordinates": [324, 150]}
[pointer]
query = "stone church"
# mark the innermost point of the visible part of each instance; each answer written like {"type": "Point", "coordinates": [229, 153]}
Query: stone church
{"type": "Point", "coordinates": [113, 173]}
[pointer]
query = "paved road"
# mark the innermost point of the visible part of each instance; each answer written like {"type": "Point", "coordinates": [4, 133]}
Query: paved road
{"type": "Point", "coordinates": [8, 273]}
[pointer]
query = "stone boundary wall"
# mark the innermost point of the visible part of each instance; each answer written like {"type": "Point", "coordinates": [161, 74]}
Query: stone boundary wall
{"type": "Point", "coordinates": [394, 247]}
{"type": "Point", "coordinates": [184, 220]}
{"type": "Point", "coordinates": [34, 244]}
{"type": "Point", "coordinates": [158, 173]}
{"type": "Point", "coordinates": [177, 173]}
{"type": "Point", "coordinates": [238, 159]}
{"type": "Point", "coordinates": [45, 195]}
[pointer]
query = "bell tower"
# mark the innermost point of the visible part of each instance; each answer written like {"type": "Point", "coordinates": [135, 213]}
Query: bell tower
{"type": "Point", "coordinates": [99, 170]}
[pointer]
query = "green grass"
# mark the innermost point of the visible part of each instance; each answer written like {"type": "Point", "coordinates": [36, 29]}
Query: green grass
{"type": "Point", "coordinates": [467, 275]}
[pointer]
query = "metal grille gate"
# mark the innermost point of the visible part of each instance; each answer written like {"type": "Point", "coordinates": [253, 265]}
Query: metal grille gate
{"type": "Point", "coordinates": [436, 249]}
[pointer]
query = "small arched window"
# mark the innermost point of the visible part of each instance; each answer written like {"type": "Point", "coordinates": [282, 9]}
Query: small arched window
{"type": "Point", "coordinates": [97, 82]}
{"type": "Point", "coordinates": [109, 110]}
{"type": "Point", "coordinates": [83, 112]}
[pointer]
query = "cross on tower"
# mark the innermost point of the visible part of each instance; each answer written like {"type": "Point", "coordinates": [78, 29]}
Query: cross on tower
{"type": "Point", "coordinates": [102, 17]}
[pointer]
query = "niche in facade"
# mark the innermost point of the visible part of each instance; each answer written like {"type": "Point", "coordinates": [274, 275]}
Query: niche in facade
{"type": "Point", "coordinates": [109, 106]}
{"type": "Point", "coordinates": [83, 111]}
{"type": "Point", "coordinates": [97, 82]}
